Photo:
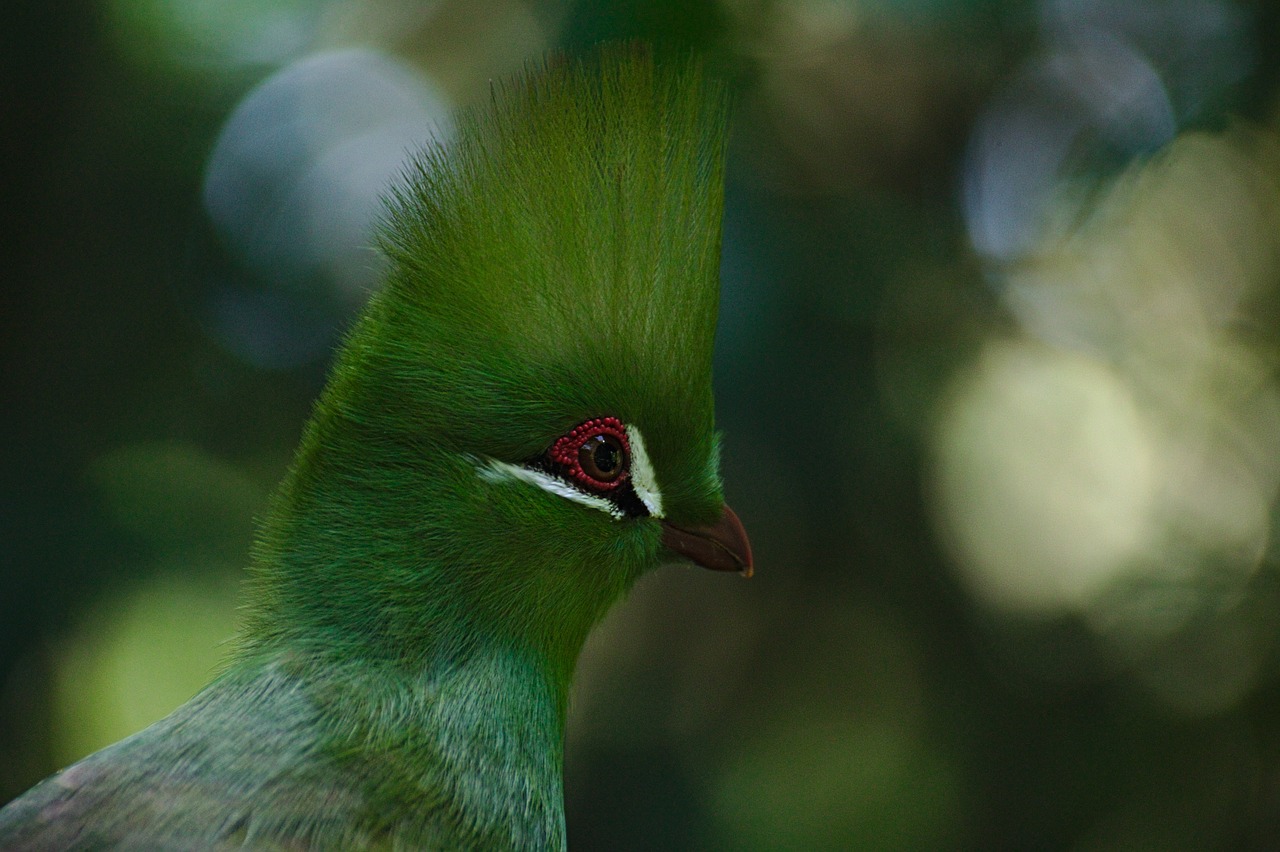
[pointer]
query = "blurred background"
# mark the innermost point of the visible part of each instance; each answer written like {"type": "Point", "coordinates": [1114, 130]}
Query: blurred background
{"type": "Point", "coordinates": [997, 371]}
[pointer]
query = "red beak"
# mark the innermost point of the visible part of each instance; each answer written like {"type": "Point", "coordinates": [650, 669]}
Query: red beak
{"type": "Point", "coordinates": [722, 546]}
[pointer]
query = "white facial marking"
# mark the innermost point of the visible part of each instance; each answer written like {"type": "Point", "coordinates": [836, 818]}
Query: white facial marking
{"type": "Point", "coordinates": [499, 471]}
{"type": "Point", "coordinates": [642, 478]}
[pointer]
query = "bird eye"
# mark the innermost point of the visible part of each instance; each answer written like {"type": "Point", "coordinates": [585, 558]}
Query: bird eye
{"type": "Point", "coordinates": [601, 457]}
{"type": "Point", "coordinates": [594, 454]}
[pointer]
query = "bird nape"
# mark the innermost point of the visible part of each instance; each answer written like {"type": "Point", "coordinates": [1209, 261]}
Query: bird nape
{"type": "Point", "coordinates": [519, 426]}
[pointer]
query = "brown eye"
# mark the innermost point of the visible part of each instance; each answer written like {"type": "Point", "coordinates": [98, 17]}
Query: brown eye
{"type": "Point", "coordinates": [594, 454]}
{"type": "Point", "coordinates": [602, 457]}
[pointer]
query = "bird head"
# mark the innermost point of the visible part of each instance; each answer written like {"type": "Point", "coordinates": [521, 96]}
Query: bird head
{"type": "Point", "coordinates": [521, 424]}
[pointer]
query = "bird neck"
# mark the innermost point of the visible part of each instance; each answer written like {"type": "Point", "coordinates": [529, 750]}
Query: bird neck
{"type": "Point", "coordinates": [468, 749]}
{"type": "Point", "coordinates": [497, 725]}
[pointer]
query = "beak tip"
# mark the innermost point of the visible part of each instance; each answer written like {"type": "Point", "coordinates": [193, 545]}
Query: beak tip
{"type": "Point", "coordinates": [741, 548]}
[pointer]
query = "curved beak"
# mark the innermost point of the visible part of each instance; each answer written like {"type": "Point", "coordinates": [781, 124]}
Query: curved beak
{"type": "Point", "coordinates": [722, 546]}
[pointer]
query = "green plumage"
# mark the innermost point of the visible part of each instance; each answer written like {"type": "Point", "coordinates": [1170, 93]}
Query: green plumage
{"type": "Point", "coordinates": [412, 624]}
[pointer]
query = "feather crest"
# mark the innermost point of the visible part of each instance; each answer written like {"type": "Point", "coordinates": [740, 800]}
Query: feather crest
{"type": "Point", "coordinates": [563, 254]}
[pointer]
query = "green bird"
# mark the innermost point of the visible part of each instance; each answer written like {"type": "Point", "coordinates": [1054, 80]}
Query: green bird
{"type": "Point", "coordinates": [519, 426]}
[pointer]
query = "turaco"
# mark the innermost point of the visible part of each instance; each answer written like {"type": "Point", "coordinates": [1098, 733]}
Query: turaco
{"type": "Point", "coordinates": [518, 427]}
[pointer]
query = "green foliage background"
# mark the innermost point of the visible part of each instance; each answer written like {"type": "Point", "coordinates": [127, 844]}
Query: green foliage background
{"type": "Point", "coordinates": [863, 690]}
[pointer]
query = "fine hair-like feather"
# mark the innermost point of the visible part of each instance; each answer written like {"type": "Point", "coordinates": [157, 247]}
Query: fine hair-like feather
{"type": "Point", "coordinates": [411, 625]}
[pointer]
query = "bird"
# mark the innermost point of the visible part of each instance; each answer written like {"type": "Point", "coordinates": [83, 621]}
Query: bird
{"type": "Point", "coordinates": [519, 425]}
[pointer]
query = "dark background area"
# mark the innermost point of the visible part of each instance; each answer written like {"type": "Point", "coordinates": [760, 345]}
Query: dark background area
{"type": "Point", "coordinates": [996, 371]}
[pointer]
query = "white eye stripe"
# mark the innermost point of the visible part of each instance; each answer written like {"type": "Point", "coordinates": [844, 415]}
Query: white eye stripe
{"type": "Point", "coordinates": [643, 481]}
{"type": "Point", "coordinates": [499, 471]}
{"type": "Point", "coordinates": [642, 477]}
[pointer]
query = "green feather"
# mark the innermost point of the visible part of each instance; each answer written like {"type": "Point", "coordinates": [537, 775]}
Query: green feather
{"type": "Point", "coordinates": [411, 625]}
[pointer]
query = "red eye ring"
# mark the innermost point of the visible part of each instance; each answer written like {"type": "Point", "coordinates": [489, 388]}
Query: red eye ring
{"type": "Point", "coordinates": [567, 451]}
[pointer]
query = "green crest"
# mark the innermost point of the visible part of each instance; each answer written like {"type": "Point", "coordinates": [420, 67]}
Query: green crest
{"type": "Point", "coordinates": [558, 261]}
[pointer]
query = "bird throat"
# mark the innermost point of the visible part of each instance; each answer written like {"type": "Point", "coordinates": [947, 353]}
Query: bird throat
{"type": "Point", "coordinates": [475, 743]}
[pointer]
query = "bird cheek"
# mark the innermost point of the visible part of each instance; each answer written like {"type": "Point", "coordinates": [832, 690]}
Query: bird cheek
{"type": "Point", "coordinates": [641, 547]}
